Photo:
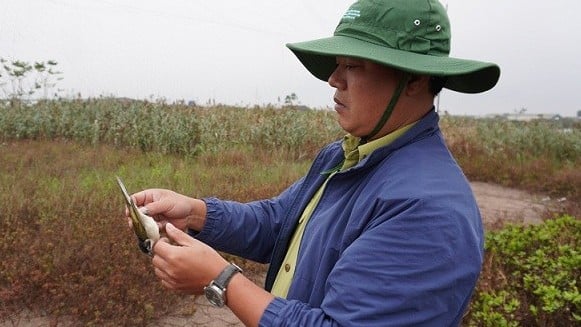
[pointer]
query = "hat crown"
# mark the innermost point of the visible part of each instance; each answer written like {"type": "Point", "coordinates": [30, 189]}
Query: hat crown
{"type": "Point", "coordinates": [419, 26]}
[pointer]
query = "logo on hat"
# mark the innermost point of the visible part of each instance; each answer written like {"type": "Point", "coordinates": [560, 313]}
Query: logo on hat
{"type": "Point", "coordinates": [352, 14]}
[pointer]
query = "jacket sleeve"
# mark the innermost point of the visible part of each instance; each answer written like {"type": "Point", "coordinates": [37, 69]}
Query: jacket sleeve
{"type": "Point", "coordinates": [250, 230]}
{"type": "Point", "coordinates": [414, 265]}
{"type": "Point", "coordinates": [247, 230]}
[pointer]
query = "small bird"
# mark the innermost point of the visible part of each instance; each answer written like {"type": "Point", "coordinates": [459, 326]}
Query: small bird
{"type": "Point", "coordinates": [144, 226]}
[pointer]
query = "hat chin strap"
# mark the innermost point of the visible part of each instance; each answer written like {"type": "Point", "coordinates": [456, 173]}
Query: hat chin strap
{"type": "Point", "coordinates": [388, 110]}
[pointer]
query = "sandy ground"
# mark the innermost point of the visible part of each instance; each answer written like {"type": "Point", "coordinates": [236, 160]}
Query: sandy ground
{"type": "Point", "coordinates": [498, 205]}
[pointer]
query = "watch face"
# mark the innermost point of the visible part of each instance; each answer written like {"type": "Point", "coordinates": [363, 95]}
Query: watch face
{"type": "Point", "coordinates": [214, 295]}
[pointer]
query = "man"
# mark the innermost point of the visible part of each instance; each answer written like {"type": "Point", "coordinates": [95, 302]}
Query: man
{"type": "Point", "coordinates": [383, 230]}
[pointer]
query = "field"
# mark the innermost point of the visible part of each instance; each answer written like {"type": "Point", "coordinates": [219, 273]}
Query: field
{"type": "Point", "coordinates": [67, 251]}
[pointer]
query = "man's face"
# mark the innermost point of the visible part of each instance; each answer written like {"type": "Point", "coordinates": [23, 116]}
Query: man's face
{"type": "Point", "coordinates": [363, 90]}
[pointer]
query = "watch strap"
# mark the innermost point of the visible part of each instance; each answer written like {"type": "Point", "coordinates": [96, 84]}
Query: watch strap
{"type": "Point", "coordinates": [224, 278]}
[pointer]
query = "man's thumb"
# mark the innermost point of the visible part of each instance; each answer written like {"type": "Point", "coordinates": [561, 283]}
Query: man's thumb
{"type": "Point", "coordinates": [177, 236]}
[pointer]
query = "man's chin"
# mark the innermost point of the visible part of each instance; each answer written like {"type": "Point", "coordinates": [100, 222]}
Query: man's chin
{"type": "Point", "coordinates": [345, 126]}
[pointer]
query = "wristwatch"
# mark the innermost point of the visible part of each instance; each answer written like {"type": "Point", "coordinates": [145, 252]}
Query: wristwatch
{"type": "Point", "coordinates": [216, 291]}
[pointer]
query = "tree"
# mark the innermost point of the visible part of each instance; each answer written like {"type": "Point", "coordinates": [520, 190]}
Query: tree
{"type": "Point", "coordinates": [20, 80]}
{"type": "Point", "coordinates": [290, 99]}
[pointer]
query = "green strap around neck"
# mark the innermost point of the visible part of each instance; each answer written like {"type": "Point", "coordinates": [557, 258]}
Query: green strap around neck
{"type": "Point", "coordinates": [387, 113]}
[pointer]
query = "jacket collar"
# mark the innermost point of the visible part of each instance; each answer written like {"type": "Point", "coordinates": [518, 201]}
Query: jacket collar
{"type": "Point", "coordinates": [424, 127]}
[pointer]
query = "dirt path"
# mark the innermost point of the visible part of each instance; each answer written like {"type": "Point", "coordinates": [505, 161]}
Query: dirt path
{"type": "Point", "coordinates": [497, 204]}
{"type": "Point", "coordinates": [500, 205]}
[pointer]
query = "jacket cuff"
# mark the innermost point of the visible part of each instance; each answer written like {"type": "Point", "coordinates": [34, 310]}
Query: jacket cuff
{"type": "Point", "coordinates": [271, 316]}
{"type": "Point", "coordinates": [212, 213]}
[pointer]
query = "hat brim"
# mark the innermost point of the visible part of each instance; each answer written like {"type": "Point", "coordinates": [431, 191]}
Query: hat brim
{"type": "Point", "coordinates": [467, 76]}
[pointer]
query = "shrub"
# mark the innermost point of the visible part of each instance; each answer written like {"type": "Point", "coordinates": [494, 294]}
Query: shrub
{"type": "Point", "coordinates": [531, 276]}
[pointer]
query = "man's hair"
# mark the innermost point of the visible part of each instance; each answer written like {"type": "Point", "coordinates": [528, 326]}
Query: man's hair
{"type": "Point", "coordinates": [437, 84]}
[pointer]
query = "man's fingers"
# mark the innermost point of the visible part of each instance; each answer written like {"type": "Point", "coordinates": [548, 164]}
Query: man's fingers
{"type": "Point", "coordinates": [178, 236]}
{"type": "Point", "coordinates": [139, 198]}
{"type": "Point", "coordinates": [160, 247]}
{"type": "Point", "coordinates": [166, 281]}
{"type": "Point", "coordinates": [165, 239]}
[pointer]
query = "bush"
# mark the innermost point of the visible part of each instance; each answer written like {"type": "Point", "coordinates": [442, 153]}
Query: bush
{"type": "Point", "coordinates": [530, 276]}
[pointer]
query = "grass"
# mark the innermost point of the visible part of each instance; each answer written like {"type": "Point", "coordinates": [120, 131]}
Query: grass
{"type": "Point", "coordinates": [66, 249]}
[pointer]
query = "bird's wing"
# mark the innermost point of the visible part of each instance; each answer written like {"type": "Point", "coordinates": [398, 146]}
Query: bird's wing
{"type": "Point", "coordinates": [138, 227]}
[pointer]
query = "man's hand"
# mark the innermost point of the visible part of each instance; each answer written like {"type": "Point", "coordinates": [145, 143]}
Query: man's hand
{"type": "Point", "coordinates": [167, 206]}
{"type": "Point", "coordinates": [188, 265]}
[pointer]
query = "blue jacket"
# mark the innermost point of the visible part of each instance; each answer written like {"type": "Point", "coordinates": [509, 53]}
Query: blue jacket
{"type": "Point", "coordinates": [396, 240]}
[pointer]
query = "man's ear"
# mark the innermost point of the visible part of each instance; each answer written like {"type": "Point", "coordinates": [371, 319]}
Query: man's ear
{"type": "Point", "coordinates": [418, 84]}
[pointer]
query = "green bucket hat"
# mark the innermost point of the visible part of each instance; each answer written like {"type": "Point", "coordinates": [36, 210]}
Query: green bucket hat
{"type": "Point", "coordinates": [410, 35]}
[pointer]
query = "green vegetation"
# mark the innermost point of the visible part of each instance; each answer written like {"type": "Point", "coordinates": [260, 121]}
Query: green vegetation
{"type": "Point", "coordinates": [169, 129]}
{"type": "Point", "coordinates": [538, 156]}
{"type": "Point", "coordinates": [67, 251]}
{"type": "Point", "coordinates": [96, 122]}
{"type": "Point", "coordinates": [21, 80]}
{"type": "Point", "coordinates": [533, 276]}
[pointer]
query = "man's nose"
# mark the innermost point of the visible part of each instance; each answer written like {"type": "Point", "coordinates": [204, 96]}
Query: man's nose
{"type": "Point", "coordinates": [336, 80]}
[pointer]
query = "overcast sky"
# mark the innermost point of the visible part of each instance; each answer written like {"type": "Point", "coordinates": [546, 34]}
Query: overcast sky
{"type": "Point", "coordinates": [234, 51]}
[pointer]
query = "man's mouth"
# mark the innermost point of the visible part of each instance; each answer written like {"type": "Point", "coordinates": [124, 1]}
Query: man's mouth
{"type": "Point", "coordinates": [338, 104]}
